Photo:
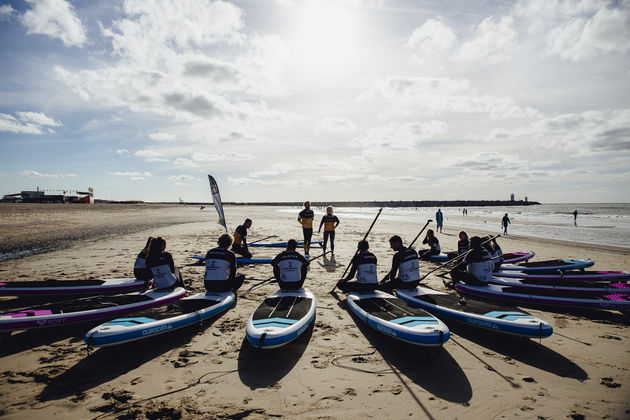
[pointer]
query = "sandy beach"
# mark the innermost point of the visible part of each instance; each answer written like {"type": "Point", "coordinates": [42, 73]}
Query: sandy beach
{"type": "Point", "coordinates": [341, 369]}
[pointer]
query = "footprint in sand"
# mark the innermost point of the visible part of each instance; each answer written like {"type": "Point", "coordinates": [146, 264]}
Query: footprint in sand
{"type": "Point", "coordinates": [610, 383]}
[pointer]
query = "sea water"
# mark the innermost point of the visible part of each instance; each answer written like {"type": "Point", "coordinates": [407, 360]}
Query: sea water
{"type": "Point", "coordinates": [602, 224]}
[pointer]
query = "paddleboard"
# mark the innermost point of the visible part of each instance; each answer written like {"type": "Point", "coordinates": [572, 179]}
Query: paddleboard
{"type": "Point", "coordinates": [398, 319]}
{"type": "Point", "coordinates": [179, 314]}
{"type": "Point", "coordinates": [550, 298]}
{"type": "Point", "coordinates": [282, 317]}
{"type": "Point", "coordinates": [282, 244]}
{"type": "Point", "coordinates": [559, 277]}
{"type": "Point", "coordinates": [86, 309]}
{"type": "Point", "coordinates": [583, 288]}
{"type": "Point", "coordinates": [509, 258]}
{"type": "Point", "coordinates": [566, 264]}
{"type": "Point", "coordinates": [477, 313]}
{"type": "Point", "coordinates": [72, 287]}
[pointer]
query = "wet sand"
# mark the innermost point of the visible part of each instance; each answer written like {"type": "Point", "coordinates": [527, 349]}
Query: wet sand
{"type": "Point", "coordinates": [339, 369]}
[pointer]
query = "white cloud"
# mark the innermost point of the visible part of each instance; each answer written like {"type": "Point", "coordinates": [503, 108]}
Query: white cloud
{"type": "Point", "coordinates": [122, 151]}
{"type": "Point", "coordinates": [162, 136]}
{"type": "Point", "coordinates": [6, 11]}
{"type": "Point", "coordinates": [34, 174]}
{"type": "Point", "coordinates": [181, 178]}
{"type": "Point", "coordinates": [134, 176]}
{"type": "Point", "coordinates": [430, 40]}
{"type": "Point", "coordinates": [399, 137]}
{"type": "Point", "coordinates": [56, 19]}
{"type": "Point", "coordinates": [27, 122]}
{"type": "Point", "coordinates": [432, 96]}
{"type": "Point", "coordinates": [492, 43]}
{"type": "Point", "coordinates": [247, 182]}
{"type": "Point", "coordinates": [335, 125]}
{"type": "Point", "coordinates": [277, 169]}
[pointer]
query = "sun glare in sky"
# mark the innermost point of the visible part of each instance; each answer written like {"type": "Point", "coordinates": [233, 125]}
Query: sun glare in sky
{"type": "Point", "coordinates": [326, 38]}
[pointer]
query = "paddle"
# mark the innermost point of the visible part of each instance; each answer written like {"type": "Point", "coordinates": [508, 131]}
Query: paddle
{"type": "Point", "coordinates": [420, 233]}
{"type": "Point", "coordinates": [357, 251]}
{"type": "Point", "coordinates": [260, 283]}
{"type": "Point", "coordinates": [258, 240]}
{"type": "Point", "coordinates": [458, 258]}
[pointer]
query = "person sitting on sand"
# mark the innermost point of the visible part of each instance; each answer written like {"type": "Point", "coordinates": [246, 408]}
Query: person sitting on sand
{"type": "Point", "coordinates": [479, 265]}
{"type": "Point", "coordinates": [405, 263]}
{"type": "Point", "coordinates": [290, 267]}
{"type": "Point", "coordinates": [220, 273]}
{"type": "Point", "coordinates": [463, 245]}
{"type": "Point", "coordinates": [364, 265]}
{"type": "Point", "coordinates": [240, 239]}
{"type": "Point", "coordinates": [140, 269]}
{"type": "Point", "coordinates": [330, 222]}
{"type": "Point", "coordinates": [305, 217]}
{"type": "Point", "coordinates": [433, 242]}
{"type": "Point", "coordinates": [491, 245]}
{"type": "Point", "coordinates": [165, 274]}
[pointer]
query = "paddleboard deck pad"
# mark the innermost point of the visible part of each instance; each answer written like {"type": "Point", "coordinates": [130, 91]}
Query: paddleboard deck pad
{"type": "Point", "coordinates": [281, 318]}
{"type": "Point", "coordinates": [282, 244]}
{"type": "Point", "coordinates": [549, 298]}
{"type": "Point", "coordinates": [477, 313]}
{"type": "Point", "coordinates": [398, 319]}
{"type": "Point", "coordinates": [583, 288]}
{"type": "Point", "coordinates": [86, 309]}
{"type": "Point", "coordinates": [72, 287]}
{"type": "Point", "coordinates": [509, 258]}
{"type": "Point", "coordinates": [565, 264]}
{"type": "Point", "coordinates": [179, 314]}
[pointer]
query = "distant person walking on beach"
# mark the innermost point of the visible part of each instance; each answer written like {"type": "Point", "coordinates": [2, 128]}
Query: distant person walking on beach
{"type": "Point", "coordinates": [439, 220]}
{"type": "Point", "coordinates": [505, 222]}
{"type": "Point", "coordinates": [575, 213]}
{"type": "Point", "coordinates": [289, 267]}
{"type": "Point", "coordinates": [330, 222]}
{"type": "Point", "coordinates": [364, 266]}
{"type": "Point", "coordinates": [165, 274]}
{"type": "Point", "coordinates": [305, 217]}
{"type": "Point", "coordinates": [240, 239]}
{"type": "Point", "coordinates": [433, 242]}
{"type": "Point", "coordinates": [220, 273]}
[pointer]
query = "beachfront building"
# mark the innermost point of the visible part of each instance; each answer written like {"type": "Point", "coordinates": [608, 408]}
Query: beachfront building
{"type": "Point", "coordinates": [43, 196]}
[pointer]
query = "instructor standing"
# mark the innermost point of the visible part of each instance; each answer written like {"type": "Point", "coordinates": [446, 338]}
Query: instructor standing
{"type": "Point", "coordinates": [305, 217]}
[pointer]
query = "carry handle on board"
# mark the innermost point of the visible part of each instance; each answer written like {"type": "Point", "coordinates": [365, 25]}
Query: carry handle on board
{"type": "Point", "coordinates": [458, 258]}
{"type": "Point", "coordinates": [260, 283]}
{"type": "Point", "coordinates": [420, 233]}
{"type": "Point", "coordinates": [357, 251]}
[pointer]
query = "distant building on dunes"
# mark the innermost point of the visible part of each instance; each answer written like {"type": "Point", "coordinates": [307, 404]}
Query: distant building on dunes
{"type": "Point", "coordinates": [57, 196]}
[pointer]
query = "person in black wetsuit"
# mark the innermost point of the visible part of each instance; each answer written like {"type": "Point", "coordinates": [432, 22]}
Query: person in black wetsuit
{"type": "Point", "coordinates": [364, 265]}
{"type": "Point", "coordinates": [433, 242]}
{"type": "Point", "coordinates": [290, 267]}
{"type": "Point", "coordinates": [140, 269]}
{"type": "Point", "coordinates": [505, 222]}
{"type": "Point", "coordinates": [220, 273]}
{"type": "Point", "coordinates": [165, 274]}
{"type": "Point", "coordinates": [405, 263]}
{"type": "Point", "coordinates": [330, 222]}
{"type": "Point", "coordinates": [479, 265]}
{"type": "Point", "coordinates": [463, 245]}
{"type": "Point", "coordinates": [240, 239]}
{"type": "Point", "coordinates": [305, 217]}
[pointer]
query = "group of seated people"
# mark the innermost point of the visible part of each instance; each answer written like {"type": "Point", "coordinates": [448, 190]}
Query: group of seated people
{"type": "Point", "coordinates": [483, 256]}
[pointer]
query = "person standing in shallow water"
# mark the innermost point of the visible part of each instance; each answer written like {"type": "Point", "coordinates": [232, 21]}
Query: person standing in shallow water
{"type": "Point", "coordinates": [505, 222]}
{"type": "Point", "coordinates": [305, 217]}
{"type": "Point", "coordinates": [575, 213]}
{"type": "Point", "coordinates": [330, 222]}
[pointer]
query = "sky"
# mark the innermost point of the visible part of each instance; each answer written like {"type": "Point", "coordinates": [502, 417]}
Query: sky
{"type": "Point", "coordinates": [324, 100]}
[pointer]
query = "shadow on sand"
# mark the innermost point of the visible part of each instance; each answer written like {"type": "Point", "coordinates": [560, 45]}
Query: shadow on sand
{"type": "Point", "coordinates": [109, 363]}
{"type": "Point", "coordinates": [433, 369]}
{"type": "Point", "coordinates": [523, 350]}
{"type": "Point", "coordinates": [262, 368]}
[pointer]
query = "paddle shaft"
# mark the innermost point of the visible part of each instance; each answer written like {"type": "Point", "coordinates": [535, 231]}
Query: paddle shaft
{"type": "Point", "coordinates": [258, 240]}
{"type": "Point", "coordinates": [357, 251]}
{"type": "Point", "coordinates": [420, 233]}
{"type": "Point", "coordinates": [260, 283]}
{"type": "Point", "coordinates": [458, 258]}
